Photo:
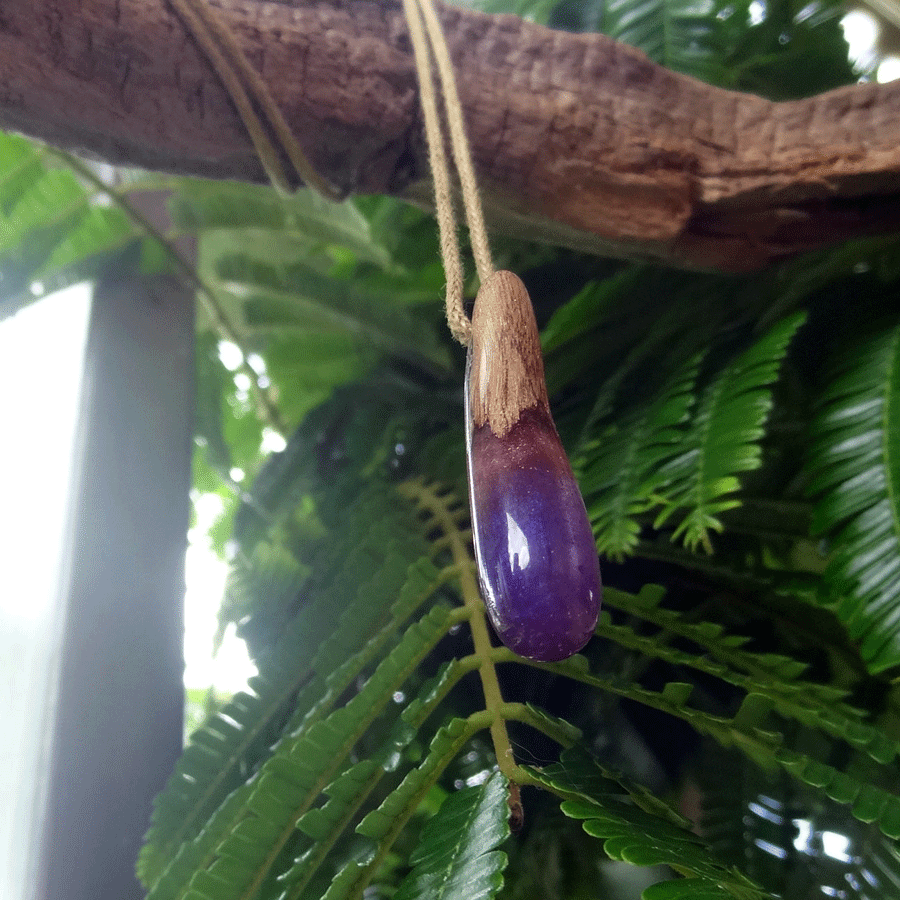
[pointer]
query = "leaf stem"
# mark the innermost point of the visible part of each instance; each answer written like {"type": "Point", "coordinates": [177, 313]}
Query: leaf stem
{"type": "Point", "coordinates": [428, 497]}
{"type": "Point", "coordinates": [561, 732]}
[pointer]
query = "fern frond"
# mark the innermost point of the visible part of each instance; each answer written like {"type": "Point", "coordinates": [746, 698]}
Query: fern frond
{"type": "Point", "coordinates": [184, 860]}
{"type": "Point", "coordinates": [712, 637]}
{"type": "Point", "coordinates": [210, 768]}
{"type": "Point", "coordinates": [882, 864]}
{"type": "Point", "coordinates": [778, 833]}
{"type": "Point", "coordinates": [322, 647]}
{"type": "Point", "coordinates": [856, 475]}
{"type": "Point", "coordinates": [564, 733]}
{"type": "Point", "coordinates": [99, 232]}
{"type": "Point", "coordinates": [322, 691]}
{"type": "Point", "coordinates": [723, 438]}
{"type": "Point", "coordinates": [641, 832]}
{"type": "Point", "coordinates": [313, 549]}
{"type": "Point", "coordinates": [620, 471]}
{"type": "Point", "coordinates": [55, 233]}
{"type": "Point", "coordinates": [796, 700]}
{"type": "Point", "coordinates": [287, 298]}
{"type": "Point", "coordinates": [20, 169]}
{"type": "Point", "coordinates": [326, 824]}
{"type": "Point", "coordinates": [269, 570]}
{"type": "Point", "coordinates": [533, 10]}
{"type": "Point", "coordinates": [385, 823]}
{"type": "Point", "coordinates": [774, 676]}
{"type": "Point", "coordinates": [871, 804]}
{"type": "Point", "coordinates": [346, 788]}
{"type": "Point", "coordinates": [743, 731]}
{"type": "Point", "coordinates": [586, 308]}
{"type": "Point", "coordinates": [300, 768]}
{"type": "Point", "coordinates": [433, 692]}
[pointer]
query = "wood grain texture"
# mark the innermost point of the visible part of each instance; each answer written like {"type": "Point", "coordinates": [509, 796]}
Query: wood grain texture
{"type": "Point", "coordinates": [577, 139]}
{"type": "Point", "coordinates": [506, 376]}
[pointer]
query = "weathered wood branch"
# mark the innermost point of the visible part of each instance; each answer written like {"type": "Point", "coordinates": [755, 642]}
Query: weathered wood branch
{"type": "Point", "coordinates": [577, 139]}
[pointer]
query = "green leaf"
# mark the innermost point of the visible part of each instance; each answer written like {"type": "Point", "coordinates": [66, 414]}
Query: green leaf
{"type": "Point", "coordinates": [758, 820]}
{"type": "Point", "coordinates": [687, 889]}
{"type": "Point", "coordinates": [855, 472]}
{"type": "Point", "coordinates": [56, 232]}
{"type": "Point", "coordinates": [584, 309]}
{"type": "Point", "coordinates": [797, 49]}
{"type": "Point", "coordinates": [43, 215]}
{"type": "Point", "coordinates": [308, 366]}
{"type": "Point", "coordinates": [621, 470]}
{"type": "Point", "coordinates": [635, 831]}
{"type": "Point", "coordinates": [304, 762]}
{"type": "Point", "coordinates": [765, 747]}
{"type": "Point", "coordinates": [771, 682]}
{"type": "Point", "coordinates": [385, 823]}
{"type": "Point", "coordinates": [293, 297]}
{"type": "Point", "coordinates": [328, 630]}
{"type": "Point", "coordinates": [723, 438]}
{"type": "Point", "coordinates": [532, 10]}
{"type": "Point", "coordinates": [214, 384]}
{"type": "Point", "coordinates": [456, 858]}
{"type": "Point", "coordinates": [327, 823]}
{"type": "Point", "coordinates": [300, 221]}
{"type": "Point", "coordinates": [20, 168]}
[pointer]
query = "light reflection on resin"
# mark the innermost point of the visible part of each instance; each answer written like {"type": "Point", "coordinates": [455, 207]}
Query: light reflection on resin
{"type": "Point", "coordinates": [519, 557]}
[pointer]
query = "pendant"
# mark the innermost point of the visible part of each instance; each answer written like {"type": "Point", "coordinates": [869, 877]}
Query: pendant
{"type": "Point", "coordinates": [535, 552]}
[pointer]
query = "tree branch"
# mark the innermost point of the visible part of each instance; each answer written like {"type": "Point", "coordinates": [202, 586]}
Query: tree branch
{"type": "Point", "coordinates": [577, 139]}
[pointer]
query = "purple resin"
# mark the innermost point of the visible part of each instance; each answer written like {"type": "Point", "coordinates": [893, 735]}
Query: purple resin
{"type": "Point", "coordinates": [537, 561]}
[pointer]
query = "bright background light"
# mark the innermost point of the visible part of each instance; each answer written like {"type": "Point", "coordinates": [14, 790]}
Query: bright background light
{"type": "Point", "coordinates": [889, 69]}
{"type": "Point", "coordinates": [205, 575]}
{"type": "Point", "coordinates": [41, 361]}
{"type": "Point", "coordinates": [41, 365]}
{"type": "Point", "coordinates": [861, 34]}
{"type": "Point", "coordinates": [862, 31]}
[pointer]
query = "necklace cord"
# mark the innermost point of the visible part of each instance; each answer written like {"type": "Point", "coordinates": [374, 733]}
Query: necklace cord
{"type": "Point", "coordinates": [248, 91]}
{"type": "Point", "coordinates": [457, 320]}
{"type": "Point", "coordinates": [430, 46]}
{"type": "Point", "coordinates": [462, 152]}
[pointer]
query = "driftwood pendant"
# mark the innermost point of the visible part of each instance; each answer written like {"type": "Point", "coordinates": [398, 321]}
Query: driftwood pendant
{"type": "Point", "coordinates": [537, 561]}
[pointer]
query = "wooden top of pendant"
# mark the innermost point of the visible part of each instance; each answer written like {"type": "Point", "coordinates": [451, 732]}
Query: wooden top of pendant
{"type": "Point", "coordinates": [506, 376]}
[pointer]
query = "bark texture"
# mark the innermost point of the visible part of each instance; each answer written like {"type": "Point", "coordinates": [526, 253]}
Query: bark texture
{"type": "Point", "coordinates": [577, 139]}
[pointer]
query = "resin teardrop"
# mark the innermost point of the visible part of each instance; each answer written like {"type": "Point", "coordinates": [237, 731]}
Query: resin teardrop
{"type": "Point", "coordinates": [537, 561]}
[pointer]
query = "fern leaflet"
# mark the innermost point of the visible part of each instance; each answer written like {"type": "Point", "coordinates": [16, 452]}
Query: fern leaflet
{"type": "Point", "coordinates": [765, 747]}
{"type": "Point", "coordinates": [456, 858]}
{"type": "Point", "coordinates": [856, 473]}
{"type": "Point", "coordinates": [620, 470]}
{"type": "Point", "coordinates": [385, 823]}
{"type": "Point", "coordinates": [213, 764]}
{"type": "Point", "coordinates": [723, 439]}
{"type": "Point", "coordinates": [642, 830]}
